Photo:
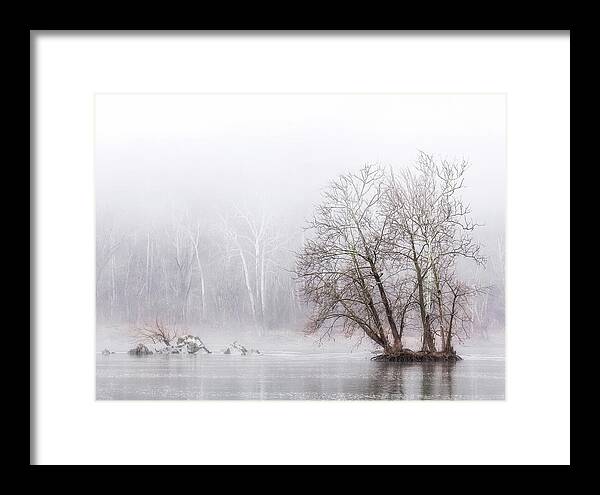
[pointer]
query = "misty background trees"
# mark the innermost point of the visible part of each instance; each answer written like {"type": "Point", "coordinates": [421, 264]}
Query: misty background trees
{"type": "Point", "coordinates": [205, 267]}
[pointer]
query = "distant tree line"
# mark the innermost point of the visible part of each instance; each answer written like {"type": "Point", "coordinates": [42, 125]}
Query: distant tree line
{"type": "Point", "coordinates": [233, 267]}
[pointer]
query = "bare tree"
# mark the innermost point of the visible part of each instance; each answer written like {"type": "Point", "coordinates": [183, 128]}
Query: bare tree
{"type": "Point", "coordinates": [255, 241]}
{"type": "Point", "coordinates": [383, 245]}
{"type": "Point", "coordinates": [457, 310]}
{"type": "Point", "coordinates": [157, 333]}
{"type": "Point", "coordinates": [194, 235]}
{"type": "Point", "coordinates": [342, 268]}
{"type": "Point", "coordinates": [431, 229]}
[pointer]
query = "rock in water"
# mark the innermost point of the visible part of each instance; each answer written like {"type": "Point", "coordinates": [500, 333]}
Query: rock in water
{"type": "Point", "coordinates": [186, 344]}
{"type": "Point", "coordinates": [168, 350]}
{"type": "Point", "coordinates": [140, 350]}
{"type": "Point", "coordinates": [240, 350]}
{"type": "Point", "coordinates": [236, 349]}
{"type": "Point", "coordinates": [190, 344]}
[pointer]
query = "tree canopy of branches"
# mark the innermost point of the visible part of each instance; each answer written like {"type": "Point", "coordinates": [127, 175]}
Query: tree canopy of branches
{"type": "Point", "coordinates": [158, 333]}
{"type": "Point", "coordinates": [381, 256]}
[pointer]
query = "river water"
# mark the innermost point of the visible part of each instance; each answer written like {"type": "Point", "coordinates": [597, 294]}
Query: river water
{"type": "Point", "coordinates": [298, 376]}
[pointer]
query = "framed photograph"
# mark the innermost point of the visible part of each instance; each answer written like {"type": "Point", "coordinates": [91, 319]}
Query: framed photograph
{"type": "Point", "coordinates": [244, 241]}
{"type": "Point", "coordinates": [277, 236]}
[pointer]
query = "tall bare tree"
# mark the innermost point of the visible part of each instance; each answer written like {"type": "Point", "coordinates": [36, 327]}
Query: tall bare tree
{"type": "Point", "coordinates": [431, 229]}
{"type": "Point", "coordinates": [343, 269]}
{"type": "Point", "coordinates": [383, 245]}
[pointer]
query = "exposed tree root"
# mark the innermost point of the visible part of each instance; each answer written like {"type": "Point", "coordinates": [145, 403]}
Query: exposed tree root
{"type": "Point", "coordinates": [410, 356]}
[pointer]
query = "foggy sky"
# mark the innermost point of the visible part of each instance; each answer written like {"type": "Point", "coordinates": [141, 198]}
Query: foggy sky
{"type": "Point", "coordinates": [155, 153]}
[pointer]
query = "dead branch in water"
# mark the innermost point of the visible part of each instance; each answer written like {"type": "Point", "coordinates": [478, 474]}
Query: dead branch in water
{"type": "Point", "coordinates": [156, 333]}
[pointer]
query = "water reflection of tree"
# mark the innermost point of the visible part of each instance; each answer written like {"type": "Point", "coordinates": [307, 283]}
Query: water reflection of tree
{"type": "Point", "coordinates": [424, 381]}
{"type": "Point", "coordinates": [440, 376]}
{"type": "Point", "coordinates": [447, 381]}
{"type": "Point", "coordinates": [427, 380]}
{"type": "Point", "coordinates": [388, 381]}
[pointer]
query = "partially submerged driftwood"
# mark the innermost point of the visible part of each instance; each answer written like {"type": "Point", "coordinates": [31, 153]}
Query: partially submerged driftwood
{"type": "Point", "coordinates": [410, 356]}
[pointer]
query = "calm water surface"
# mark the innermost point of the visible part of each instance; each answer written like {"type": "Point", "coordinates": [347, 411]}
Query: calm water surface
{"type": "Point", "coordinates": [338, 376]}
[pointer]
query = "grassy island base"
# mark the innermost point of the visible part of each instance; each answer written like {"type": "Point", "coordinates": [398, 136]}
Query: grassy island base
{"type": "Point", "coordinates": [409, 356]}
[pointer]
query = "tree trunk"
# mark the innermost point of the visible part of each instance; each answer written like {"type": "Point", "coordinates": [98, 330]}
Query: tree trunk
{"type": "Point", "coordinates": [113, 291]}
{"type": "Point", "coordinates": [428, 342]}
{"type": "Point", "coordinates": [262, 284]}
{"type": "Point", "coordinates": [202, 285]}
{"type": "Point", "coordinates": [257, 281]}
{"type": "Point", "coordinates": [438, 290]}
{"type": "Point", "coordinates": [448, 341]}
{"type": "Point", "coordinates": [371, 305]}
{"type": "Point", "coordinates": [388, 309]}
{"type": "Point", "coordinates": [148, 267]}
{"type": "Point", "coordinates": [248, 285]}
